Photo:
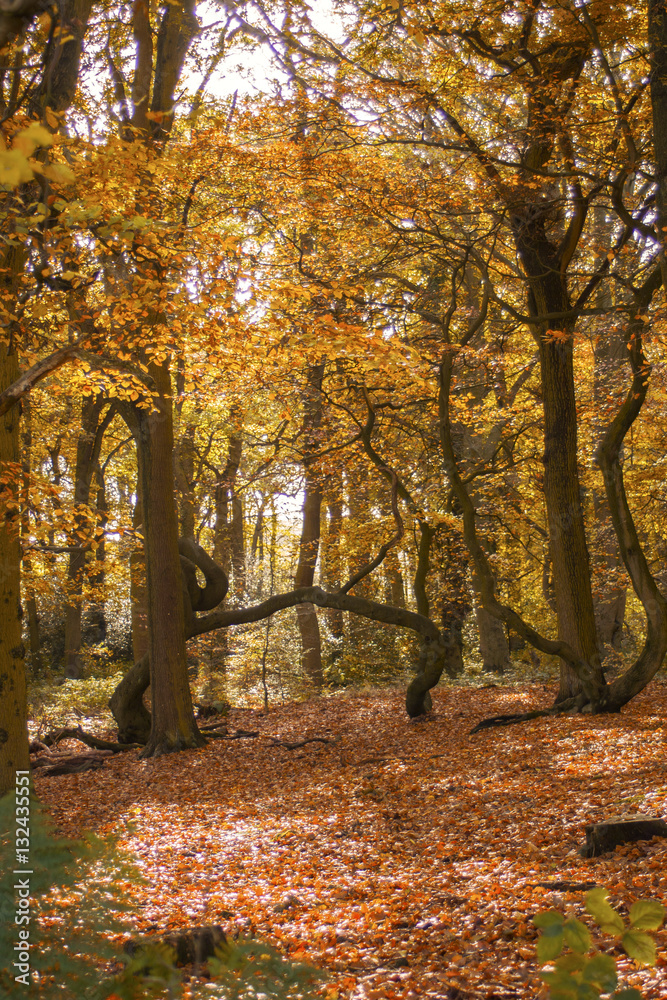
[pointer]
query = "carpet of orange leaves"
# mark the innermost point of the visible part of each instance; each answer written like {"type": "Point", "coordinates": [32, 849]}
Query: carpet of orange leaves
{"type": "Point", "coordinates": [405, 858]}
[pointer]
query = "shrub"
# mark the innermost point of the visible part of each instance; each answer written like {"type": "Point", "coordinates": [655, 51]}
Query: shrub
{"type": "Point", "coordinates": [578, 975]}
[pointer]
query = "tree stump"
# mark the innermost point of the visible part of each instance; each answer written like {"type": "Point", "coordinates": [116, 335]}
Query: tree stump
{"type": "Point", "coordinates": [603, 837]}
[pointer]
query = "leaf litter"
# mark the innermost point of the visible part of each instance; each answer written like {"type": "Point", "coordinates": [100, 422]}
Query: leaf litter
{"type": "Point", "coordinates": [405, 858]}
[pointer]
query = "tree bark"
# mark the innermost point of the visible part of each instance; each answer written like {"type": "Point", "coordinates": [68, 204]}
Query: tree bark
{"type": "Point", "coordinates": [14, 754]}
{"type": "Point", "coordinates": [138, 594]}
{"type": "Point", "coordinates": [88, 449]}
{"type": "Point", "coordinates": [331, 570]}
{"type": "Point", "coordinates": [562, 492]}
{"type": "Point", "coordinates": [173, 722]}
{"type": "Point", "coordinates": [657, 37]}
{"type": "Point", "coordinates": [28, 591]}
{"type": "Point", "coordinates": [309, 543]}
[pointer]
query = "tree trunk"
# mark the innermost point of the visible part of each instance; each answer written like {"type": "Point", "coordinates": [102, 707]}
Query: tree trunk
{"type": "Point", "coordinates": [173, 722]}
{"type": "Point", "coordinates": [29, 595]}
{"type": "Point", "coordinates": [224, 491]}
{"type": "Point", "coordinates": [87, 454]}
{"type": "Point", "coordinates": [96, 611]}
{"type": "Point", "coordinates": [657, 36]}
{"type": "Point", "coordinates": [127, 704]}
{"type": "Point", "coordinates": [492, 641]}
{"type": "Point", "coordinates": [14, 754]}
{"type": "Point", "coordinates": [309, 543]}
{"type": "Point", "coordinates": [567, 537]}
{"type": "Point", "coordinates": [185, 468]}
{"type": "Point", "coordinates": [331, 568]}
{"type": "Point", "coordinates": [138, 593]}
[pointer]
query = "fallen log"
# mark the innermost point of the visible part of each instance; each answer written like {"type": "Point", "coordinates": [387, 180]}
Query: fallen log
{"type": "Point", "coordinates": [56, 764]}
{"type": "Point", "coordinates": [77, 733]}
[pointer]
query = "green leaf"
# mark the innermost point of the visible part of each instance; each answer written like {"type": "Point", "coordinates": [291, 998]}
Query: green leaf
{"type": "Point", "coordinates": [572, 962]}
{"type": "Point", "coordinates": [639, 946]}
{"type": "Point", "coordinates": [587, 992]}
{"type": "Point", "coordinates": [647, 915]}
{"type": "Point", "coordinates": [577, 935]}
{"type": "Point", "coordinates": [604, 914]}
{"type": "Point", "coordinates": [550, 944]}
{"type": "Point", "coordinates": [629, 994]}
{"type": "Point", "coordinates": [601, 970]}
{"type": "Point", "coordinates": [548, 918]}
{"type": "Point", "coordinates": [563, 993]}
{"type": "Point", "coordinates": [561, 985]}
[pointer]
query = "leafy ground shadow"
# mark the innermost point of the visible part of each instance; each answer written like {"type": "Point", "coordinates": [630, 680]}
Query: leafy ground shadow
{"type": "Point", "coordinates": [405, 858]}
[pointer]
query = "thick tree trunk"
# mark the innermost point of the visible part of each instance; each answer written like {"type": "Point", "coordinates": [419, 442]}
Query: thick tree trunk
{"type": "Point", "coordinates": [14, 753]}
{"type": "Point", "coordinates": [567, 537]}
{"type": "Point", "coordinates": [185, 468]}
{"type": "Point", "coordinates": [127, 704]}
{"type": "Point", "coordinates": [29, 595]}
{"type": "Point", "coordinates": [173, 722]}
{"type": "Point", "coordinates": [493, 644]}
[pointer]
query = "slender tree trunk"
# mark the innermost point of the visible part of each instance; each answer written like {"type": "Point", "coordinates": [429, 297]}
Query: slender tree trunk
{"type": "Point", "coordinates": [331, 571]}
{"type": "Point", "coordinates": [138, 593]}
{"type": "Point", "coordinates": [96, 611]}
{"type": "Point", "coordinates": [173, 722]}
{"type": "Point", "coordinates": [657, 36]}
{"type": "Point", "coordinates": [309, 543]}
{"type": "Point", "coordinates": [222, 533]}
{"type": "Point", "coordinates": [87, 454]}
{"type": "Point", "coordinates": [224, 491]}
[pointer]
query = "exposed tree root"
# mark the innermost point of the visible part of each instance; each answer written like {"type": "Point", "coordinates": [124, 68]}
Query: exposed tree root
{"type": "Point", "coordinates": [509, 720]}
{"type": "Point", "coordinates": [301, 743]}
{"type": "Point", "coordinates": [241, 734]}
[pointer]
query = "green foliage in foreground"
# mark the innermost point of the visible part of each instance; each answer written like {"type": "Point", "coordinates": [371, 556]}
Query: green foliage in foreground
{"type": "Point", "coordinates": [79, 894]}
{"type": "Point", "coordinates": [240, 970]}
{"type": "Point", "coordinates": [576, 974]}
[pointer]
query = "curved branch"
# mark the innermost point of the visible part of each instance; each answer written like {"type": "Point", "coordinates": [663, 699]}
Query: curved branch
{"type": "Point", "coordinates": [385, 613]}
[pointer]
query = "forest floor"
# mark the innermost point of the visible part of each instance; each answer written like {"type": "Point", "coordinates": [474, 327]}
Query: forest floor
{"type": "Point", "coordinates": [407, 857]}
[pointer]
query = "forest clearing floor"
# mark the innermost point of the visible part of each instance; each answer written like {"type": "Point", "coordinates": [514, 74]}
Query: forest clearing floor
{"type": "Point", "coordinates": [406, 857]}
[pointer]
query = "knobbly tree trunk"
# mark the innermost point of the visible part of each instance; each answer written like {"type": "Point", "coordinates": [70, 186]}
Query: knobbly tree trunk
{"type": "Point", "coordinates": [173, 723]}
